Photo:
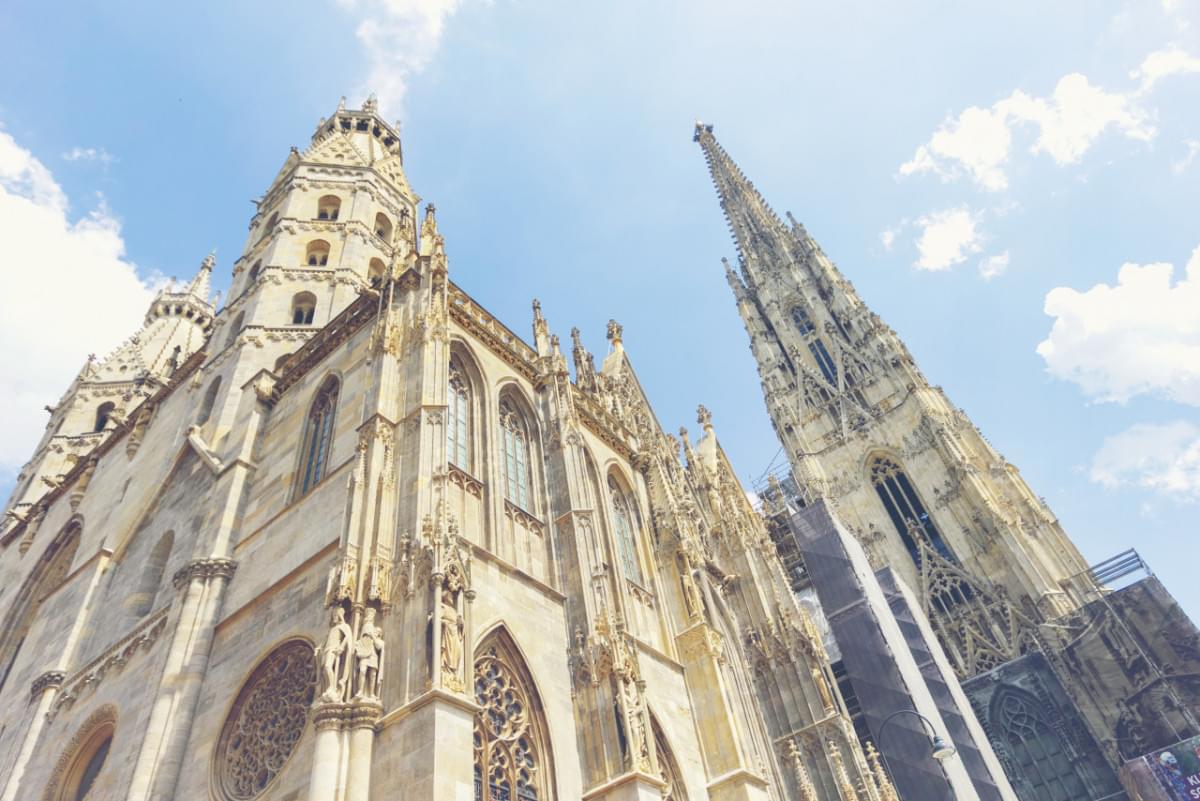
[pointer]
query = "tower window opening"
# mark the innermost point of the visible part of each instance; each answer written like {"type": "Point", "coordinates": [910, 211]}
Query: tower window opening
{"type": "Point", "coordinates": [328, 207]}
{"type": "Point", "coordinates": [375, 272]}
{"type": "Point", "coordinates": [317, 253]}
{"type": "Point", "coordinates": [903, 505]}
{"type": "Point", "coordinates": [824, 360]}
{"type": "Point", "coordinates": [254, 271]}
{"type": "Point", "coordinates": [103, 412]}
{"type": "Point", "coordinates": [804, 323]}
{"type": "Point", "coordinates": [383, 227]}
{"type": "Point", "coordinates": [362, 125]}
{"type": "Point", "coordinates": [304, 306]}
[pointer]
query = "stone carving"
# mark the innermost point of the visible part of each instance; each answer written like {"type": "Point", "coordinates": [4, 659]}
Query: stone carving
{"type": "Point", "coordinates": [800, 771]}
{"type": "Point", "coordinates": [506, 748]}
{"type": "Point", "coordinates": [452, 631]}
{"type": "Point", "coordinates": [368, 654]}
{"type": "Point", "coordinates": [334, 658]}
{"type": "Point", "coordinates": [266, 722]}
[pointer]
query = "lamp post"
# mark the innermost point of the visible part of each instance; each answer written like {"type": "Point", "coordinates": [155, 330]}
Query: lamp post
{"type": "Point", "coordinates": [939, 749]}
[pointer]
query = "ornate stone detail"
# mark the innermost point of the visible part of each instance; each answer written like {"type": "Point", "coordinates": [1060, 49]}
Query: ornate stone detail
{"type": "Point", "coordinates": [90, 675]}
{"type": "Point", "coordinates": [101, 722]}
{"type": "Point", "coordinates": [266, 722]}
{"type": "Point", "coordinates": [204, 569]}
{"type": "Point", "coordinates": [334, 657]}
{"type": "Point", "coordinates": [49, 679]}
{"type": "Point", "coordinates": [507, 756]}
{"type": "Point", "coordinates": [368, 656]}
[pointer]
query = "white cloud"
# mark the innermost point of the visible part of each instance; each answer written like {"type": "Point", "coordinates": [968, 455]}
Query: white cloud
{"type": "Point", "coordinates": [1193, 150]}
{"type": "Point", "coordinates": [947, 238]}
{"type": "Point", "coordinates": [1164, 458]}
{"type": "Point", "coordinates": [887, 236]}
{"type": "Point", "coordinates": [978, 142]}
{"type": "Point", "coordinates": [1140, 336]}
{"type": "Point", "coordinates": [88, 154]}
{"type": "Point", "coordinates": [993, 266]}
{"type": "Point", "coordinates": [1163, 64]}
{"type": "Point", "coordinates": [400, 38]}
{"type": "Point", "coordinates": [77, 294]}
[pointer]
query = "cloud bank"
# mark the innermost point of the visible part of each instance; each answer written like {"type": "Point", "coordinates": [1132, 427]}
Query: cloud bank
{"type": "Point", "coordinates": [1162, 458]}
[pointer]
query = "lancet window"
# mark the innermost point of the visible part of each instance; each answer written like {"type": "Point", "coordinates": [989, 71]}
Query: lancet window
{"type": "Point", "coordinates": [516, 466]}
{"type": "Point", "coordinates": [624, 525]}
{"type": "Point", "coordinates": [304, 308]}
{"type": "Point", "coordinates": [804, 323]}
{"type": "Point", "coordinates": [318, 435]}
{"type": "Point", "coordinates": [458, 418]}
{"type": "Point", "coordinates": [904, 506]}
{"type": "Point", "coordinates": [668, 770]}
{"type": "Point", "coordinates": [824, 360]}
{"type": "Point", "coordinates": [512, 753]}
{"type": "Point", "coordinates": [1037, 750]}
{"type": "Point", "coordinates": [102, 414]}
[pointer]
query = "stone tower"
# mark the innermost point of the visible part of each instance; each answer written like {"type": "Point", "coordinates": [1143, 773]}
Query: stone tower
{"type": "Point", "coordinates": [1069, 675]}
{"type": "Point", "coordinates": [369, 543]}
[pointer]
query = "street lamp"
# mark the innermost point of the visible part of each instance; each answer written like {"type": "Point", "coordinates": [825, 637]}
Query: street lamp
{"type": "Point", "coordinates": [939, 749]}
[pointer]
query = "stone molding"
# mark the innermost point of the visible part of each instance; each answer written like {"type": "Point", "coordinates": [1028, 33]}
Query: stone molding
{"type": "Point", "coordinates": [365, 714]}
{"type": "Point", "coordinates": [49, 679]}
{"type": "Point", "coordinates": [204, 569]}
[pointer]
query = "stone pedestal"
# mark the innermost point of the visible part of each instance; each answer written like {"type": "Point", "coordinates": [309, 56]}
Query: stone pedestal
{"type": "Point", "coordinates": [430, 741]}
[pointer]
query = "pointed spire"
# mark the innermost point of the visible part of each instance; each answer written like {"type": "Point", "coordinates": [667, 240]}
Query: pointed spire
{"type": "Point", "coordinates": [201, 286]}
{"type": "Point", "coordinates": [541, 330]}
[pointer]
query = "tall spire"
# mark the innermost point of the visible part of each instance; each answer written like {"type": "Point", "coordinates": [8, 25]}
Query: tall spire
{"type": "Point", "coordinates": [201, 286]}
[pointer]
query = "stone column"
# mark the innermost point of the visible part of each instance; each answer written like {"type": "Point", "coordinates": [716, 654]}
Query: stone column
{"type": "Point", "coordinates": [327, 752]}
{"type": "Point", "coordinates": [362, 719]}
{"type": "Point", "coordinates": [45, 687]}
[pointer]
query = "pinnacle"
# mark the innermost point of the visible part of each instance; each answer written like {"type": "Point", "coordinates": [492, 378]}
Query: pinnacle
{"type": "Point", "coordinates": [201, 286]}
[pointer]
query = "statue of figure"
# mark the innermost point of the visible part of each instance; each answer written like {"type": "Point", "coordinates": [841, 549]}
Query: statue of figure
{"type": "Point", "coordinates": [691, 595]}
{"type": "Point", "coordinates": [334, 656]}
{"type": "Point", "coordinates": [369, 653]}
{"type": "Point", "coordinates": [633, 707]}
{"type": "Point", "coordinates": [452, 634]}
{"type": "Point", "coordinates": [818, 677]}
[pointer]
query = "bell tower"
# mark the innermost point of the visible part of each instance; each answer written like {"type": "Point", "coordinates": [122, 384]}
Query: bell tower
{"type": "Point", "coordinates": [906, 470]}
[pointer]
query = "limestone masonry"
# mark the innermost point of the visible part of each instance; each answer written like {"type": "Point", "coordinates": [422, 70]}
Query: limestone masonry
{"type": "Point", "coordinates": [349, 537]}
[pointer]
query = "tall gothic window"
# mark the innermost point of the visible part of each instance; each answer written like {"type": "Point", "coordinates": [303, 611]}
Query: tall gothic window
{"type": "Point", "coordinates": [624, 525]}
{"type": "Point", "coordinates": [512, 751]}
{"type": "Point", "coordinates": [458, 418]}
{"type": "Point", "coordinates": [804, 323]}
{"type": "Point", "coordinates": [903, 506]}
{"type": "Point", "coordinates": [515, 440]}
{"type": "Point", "coordinates": [318, 435]}
{"type": "Point", "coordinates": [668, 770]}
{"type": "Point", "coordinates": [824, 360]}
{"type": "Point", "coordinates": [1037, 750]}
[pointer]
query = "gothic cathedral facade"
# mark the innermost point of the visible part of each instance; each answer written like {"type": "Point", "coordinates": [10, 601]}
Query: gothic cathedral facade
{"type": "Point", "coordinates": [350, 537]}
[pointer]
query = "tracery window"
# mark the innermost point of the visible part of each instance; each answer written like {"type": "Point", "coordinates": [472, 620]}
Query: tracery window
{"type": "Point", "coordinates": [318, 435]}
{"type": "Point", "coordinates": [458, 418]}
{"type": "Point", "coordinates": [266, 721]}
{"type": "Point", "coordinates": [824, 360]}
{"type": "Point", "coordinates": [668, 770]}
{"type": "Point", "coordinates": [804, 323]}
{"type": "Point", "coordinates": [904, 505]}
{"type": "Point", "coordinates": [624, 523]}
{"type": "Point", "coordinates": [516, 466]}
{"type": "Point", "coordinates": [512, 754]}
{"type": "Point", "coordinates": [1037, 750]}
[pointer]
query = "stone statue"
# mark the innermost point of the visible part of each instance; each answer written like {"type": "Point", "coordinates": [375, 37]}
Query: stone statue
{"type": "Point", "coordinates": [334, 657]}
{"type": "Point", "coordinates": [368, 652]}
{"type": "Point", "coordinates": [452, 634]}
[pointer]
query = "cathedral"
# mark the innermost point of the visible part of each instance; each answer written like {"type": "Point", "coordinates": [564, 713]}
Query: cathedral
{"type": "Point", "coordinates": [350, 537]}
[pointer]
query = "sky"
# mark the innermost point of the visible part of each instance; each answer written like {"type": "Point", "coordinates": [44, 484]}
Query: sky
{"type": "Point", "coordinates": [1014, 188]}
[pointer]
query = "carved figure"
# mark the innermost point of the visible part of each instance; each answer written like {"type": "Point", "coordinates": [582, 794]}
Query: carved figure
{"type": "Point", "coordinates": [334, 657]}
{"type": "Point", "coordinates": [368, 652]}
{"type": "Point", "coordinates": [452, 633]}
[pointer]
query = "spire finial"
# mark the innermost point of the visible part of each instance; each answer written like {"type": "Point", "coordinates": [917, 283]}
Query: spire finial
{"type": "Point", "coordinates": [700, 130]}
{"type": "Point", "coordinates": [615, 330]}
{"type": "Point", "coordinates": [704, 417]}
{"type": "Point", "coordinates": [371, 105]}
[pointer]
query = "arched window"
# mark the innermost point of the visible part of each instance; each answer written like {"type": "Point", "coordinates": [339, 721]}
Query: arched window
{"type": "Point", "coordinates": [458, 418]}
{"type": "Point", "coordinates": [1037, 751]}
{"type": "Point", "coordinates": [804, 323]}
{"type": "Point", "coordinates": [317, 253]}
{"type": "Point", "coordinates": [304, 306]}
{"type": "Point", "coordinates": [45, 578]}
{"type": "Point", "coordinates": [254, 271]}
{"type": "Point", "coordinates": [512, 750]}
{"type": "Point", "coordinates": [904, 506]}
{"type": "Point", "coordinates": [668, 769]}
{"type": "Point", "coordinates": [375, 272]}
{"type": "Point", "coordinates": [515, 439]}
{"type": "Point", "coordinates": [83, 761]}
{"type": "Point", "coordinates": [142, 600]}
{"type": "Point", "coordinates": [625, 527]}
{"type": "Point", "coordinates": [103, 411]}
{"type": "Point", "coordinates": [270, 226]}
{"type": "Point", "coordinates": [328, 207]}
{"type": "Point", "coordinates": [383, 227]}
{"type": "Point", "coordinates": [234, 329]}
{"type": "Point", "coordinates": [210, 400]}
{"type": "Point", "coordinates": [318, 435]}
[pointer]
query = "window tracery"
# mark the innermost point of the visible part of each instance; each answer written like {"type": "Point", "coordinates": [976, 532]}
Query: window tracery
{"type": "Point", "coordinates": [511, 751]}
{"type": "Point", "coordinates": [624, 525]}
{"type": "Point", "coordinates": [458, 418]}
{"type": "Point", "coordinates": [266, 721]}
{"type": "Point", "coordinates": [905, 509]}
{"type": "Point", "coordinates": [318, 437]}
{"type": "Point", "coordinates": [1037, 750]}
{"type": "Point", "coordinates": [516, 465]}
{"type": "Point", "coordinates": [668, 771]}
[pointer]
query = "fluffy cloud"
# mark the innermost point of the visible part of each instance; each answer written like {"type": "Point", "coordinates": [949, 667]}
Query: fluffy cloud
{"type": "Point", "coordinates": [947, 238]}
{"type": "Point", "coordinates": [400, 38]}
{"type": "Point", "coordinates": [76, 293]}
{"type": "Point", "coordinates": [88, 154]}
{"type": "Point", "coordinates": [1164, 458]}
{"type": "Point", "coordinates": [1163, 64]}
{"type": "Point", "coordinates": [993, 266]}
{"type": "Point", "coordinates": [976, 141]}
{"type": "Point", "coordinates": [1140, 336]}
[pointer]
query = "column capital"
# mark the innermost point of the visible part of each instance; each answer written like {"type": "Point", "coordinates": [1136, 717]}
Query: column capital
{"type": "Point", "coordinates": [50, 679]}
{"type": "Point", "coordinates": [204, 569]}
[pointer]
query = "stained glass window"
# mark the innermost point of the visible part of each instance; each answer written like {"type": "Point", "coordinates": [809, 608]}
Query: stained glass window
{"type": "Point", "coordinates": [458, 418]}
{"type": "Point", "coordinates": [318, 436]}
{"type": "Point", "coordinates": [515, 441]}
{"type": "Point", "coordinates": [624, 523]}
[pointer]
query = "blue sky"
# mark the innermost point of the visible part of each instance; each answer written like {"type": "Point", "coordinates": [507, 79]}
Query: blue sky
{"type": "Point", "coordinates": [969, 167]}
